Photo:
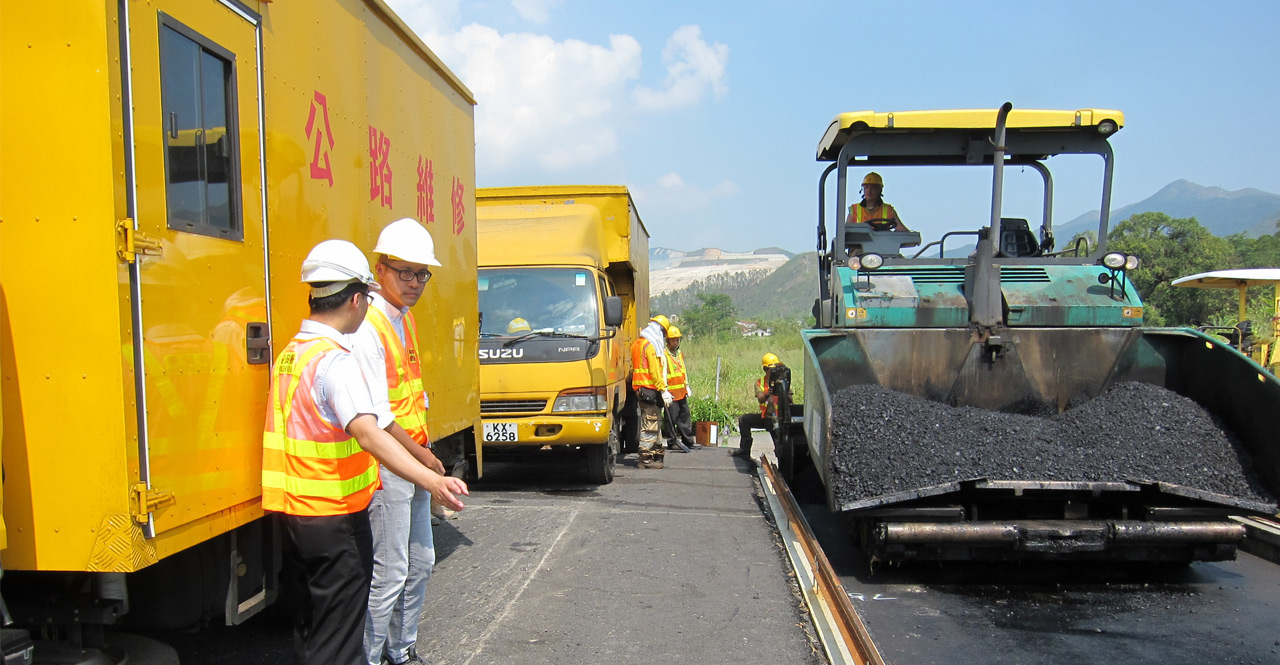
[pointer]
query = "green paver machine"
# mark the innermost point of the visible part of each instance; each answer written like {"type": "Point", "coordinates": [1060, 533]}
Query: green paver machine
{"type": "Point", "coordinates": [1017, 322]}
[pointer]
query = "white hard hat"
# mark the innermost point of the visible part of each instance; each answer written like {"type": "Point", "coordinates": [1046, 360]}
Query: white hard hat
{"type": "Point", "coordinates": [405, 239]}
{"type": "Point", "coordinates": [336, 261]}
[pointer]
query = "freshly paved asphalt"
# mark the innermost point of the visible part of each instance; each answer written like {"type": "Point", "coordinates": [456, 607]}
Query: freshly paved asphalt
{"type": "Point", "coordinates": [678, 565]}
{"type": "Point", "coordinates": [661, 566]}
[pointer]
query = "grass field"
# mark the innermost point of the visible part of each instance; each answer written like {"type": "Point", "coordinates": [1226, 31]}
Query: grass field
{"type": "Point", "coordinates": [739, 369]}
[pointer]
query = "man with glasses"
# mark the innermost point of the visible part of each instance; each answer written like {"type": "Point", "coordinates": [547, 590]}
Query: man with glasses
{"type": "Point", "coordinates": [321, 450]}
{"type": "Point", "coordinates": [386, 346]}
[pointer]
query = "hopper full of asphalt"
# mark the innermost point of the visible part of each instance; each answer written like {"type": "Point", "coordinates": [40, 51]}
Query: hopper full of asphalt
{"type": "Point", "coordinates": [886, 442]}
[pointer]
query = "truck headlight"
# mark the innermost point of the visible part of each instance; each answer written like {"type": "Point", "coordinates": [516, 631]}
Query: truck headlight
{"type": "Point", "coordinates": [1114, 260]}
{"type": "Point", "coordinates": [580, 399]}
{"type": "Point", "coordinates": [872, 261]}
{"type": "Point", "coordinates": [1131, 262]}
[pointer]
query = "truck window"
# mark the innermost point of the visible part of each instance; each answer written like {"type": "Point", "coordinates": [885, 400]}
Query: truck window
{"type": "Point", "coordinates": [197, 90]}
{"type": "Point", "coordinates": [548, 299]}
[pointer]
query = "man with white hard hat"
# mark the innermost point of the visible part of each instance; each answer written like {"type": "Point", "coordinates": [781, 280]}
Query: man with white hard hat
{"type": "Point", "coordinates": [321, 448]}
{"type": "Point", "coordinates": [386, 346]}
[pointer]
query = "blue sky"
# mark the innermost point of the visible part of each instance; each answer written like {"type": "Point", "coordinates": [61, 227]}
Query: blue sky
{"type": "Point", "coordinates": [711, 111]}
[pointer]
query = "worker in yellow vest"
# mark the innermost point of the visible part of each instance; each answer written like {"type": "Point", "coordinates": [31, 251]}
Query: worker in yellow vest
{"type": "Point", "coordinates": [649, 377]}
{"type": "Point", "coordinates": [678, 385]}
{"type": "Point", "coordinates": [386, 346]}
{"type": "Point", "coordinates": [872, 209]}
{"type": "Point", "coordinates": [321, 448]}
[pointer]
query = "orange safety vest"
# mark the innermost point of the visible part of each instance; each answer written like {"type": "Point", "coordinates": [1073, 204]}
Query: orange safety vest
{"type": "Point", "coordinates": [405, 391]}
{"type": "Point", "coordinates": [309, 466]}
{"type": "Point", "coordinates": [885, 211]}
{"type": "Point", "coordinates": [646, 368]}
{"type": "Point", "coordinates": [676, 376]}
{"type": "Point", "coordinates": [770, 403]}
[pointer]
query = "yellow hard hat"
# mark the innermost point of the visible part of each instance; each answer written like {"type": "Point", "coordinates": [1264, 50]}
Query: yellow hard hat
{"type": "Point", "coordinates": [673, 333]}
{"type": "Point", "coordinates": [662, 321]}
{"type": "Point", "coordinates": [769, 360]}
{"type": "Point", "coordinates": [873, 178]}
{"type": "Point", "coordinates": [518, 325]}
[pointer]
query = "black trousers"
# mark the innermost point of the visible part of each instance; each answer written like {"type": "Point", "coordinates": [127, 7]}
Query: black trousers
{"type": "Point", "coordinates": [326, 569]}
{"type": "Point", "coordinates": [681, 425]}
{"type": "Point", "coordinates": [747, 422]}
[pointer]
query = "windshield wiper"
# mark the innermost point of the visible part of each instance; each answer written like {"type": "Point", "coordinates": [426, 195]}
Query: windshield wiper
{"type": "Point", "coordinates": [540, 333]}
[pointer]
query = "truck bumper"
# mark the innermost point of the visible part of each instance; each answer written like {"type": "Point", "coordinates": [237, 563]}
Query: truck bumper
{"type": "Point", "coordinates": [547, 430]}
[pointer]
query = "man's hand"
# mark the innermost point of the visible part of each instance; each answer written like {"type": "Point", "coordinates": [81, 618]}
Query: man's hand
{"type": "Point", "coordinates": [688, 391]}
{"type": "Point", "coordinates": [443, 490]}
{"type": "Point", "coordinates": [667, 398]}
{"type": "Point", "coordinates": [420, 452]}
{"type": "Point", "coordinates": [433, 462]}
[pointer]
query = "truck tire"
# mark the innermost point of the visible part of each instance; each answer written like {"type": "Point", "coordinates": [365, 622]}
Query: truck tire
{"type": "Point", "coordinates": [630, 417]}
{"type": "Point", "coordinates": [469, 464]}
{"type": "Point", "coordinates": [601, 459]}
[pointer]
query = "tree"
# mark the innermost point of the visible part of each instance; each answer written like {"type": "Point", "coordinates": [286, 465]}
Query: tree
{"type": "Point", "coordinates": [714, 317]}
{"type": "Point", "coordinates": [1171, 248]}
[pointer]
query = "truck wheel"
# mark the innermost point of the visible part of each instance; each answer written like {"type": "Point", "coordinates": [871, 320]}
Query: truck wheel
{"type": "Point", "coordinates": [469, 466]}
{"type": "Point", "coordinates": [601, 458]}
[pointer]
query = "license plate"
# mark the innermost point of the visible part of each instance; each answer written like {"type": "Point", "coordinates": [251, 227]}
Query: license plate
{"type": "Point", "coordinates": [500, 432]}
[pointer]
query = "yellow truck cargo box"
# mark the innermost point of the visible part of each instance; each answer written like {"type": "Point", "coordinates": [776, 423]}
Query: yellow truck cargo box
{"type": "Point", "coordinates": [168, 167]}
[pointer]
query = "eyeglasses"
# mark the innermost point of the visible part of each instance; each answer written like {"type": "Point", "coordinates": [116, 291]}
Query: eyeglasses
{"type": "Point", "coordinates": [368, 297]}
{"type": "Point", "coordinates": [407, 275]}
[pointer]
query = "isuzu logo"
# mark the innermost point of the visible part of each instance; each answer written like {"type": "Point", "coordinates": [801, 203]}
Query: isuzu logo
{"type": "Point", "coordinates": [495, 354]}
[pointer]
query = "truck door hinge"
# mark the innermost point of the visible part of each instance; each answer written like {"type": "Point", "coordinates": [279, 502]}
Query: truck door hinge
{"type": "Point", "coordinates": [148, 501]}
{"type": "Point", "coordinates": [132, 243]}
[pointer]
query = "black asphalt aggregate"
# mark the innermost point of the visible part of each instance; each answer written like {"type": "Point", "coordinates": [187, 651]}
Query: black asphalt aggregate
{"type": "Point", "coordinates": [886, 442]}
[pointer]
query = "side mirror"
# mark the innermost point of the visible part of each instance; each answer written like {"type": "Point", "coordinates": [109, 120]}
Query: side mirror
{"type": "Point", "coordinates": [613, 311]}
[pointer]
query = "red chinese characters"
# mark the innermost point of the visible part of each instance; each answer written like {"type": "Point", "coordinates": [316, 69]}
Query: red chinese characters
{"type": "Point", "coordinates": [459, 206]}
{"type": "Point", "coordinates": [379, 167]}
{"type": "Point", "coordinates": [426, 191]}
{"type": "Point", "coordinates": [320, 169]}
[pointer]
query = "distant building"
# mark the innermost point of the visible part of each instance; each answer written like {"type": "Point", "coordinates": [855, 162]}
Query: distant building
{"type": "Point", "coordinates": [749, 329]}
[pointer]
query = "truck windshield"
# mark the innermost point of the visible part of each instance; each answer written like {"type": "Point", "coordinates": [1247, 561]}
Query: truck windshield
{"type": "Point", "coordinates": [517, 301]}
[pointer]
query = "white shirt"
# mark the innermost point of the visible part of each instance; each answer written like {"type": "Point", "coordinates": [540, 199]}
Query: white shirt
{"type": "Point", "coordinates": [370, 355]}
{"type": "Point", "coordinates": [340, 390]}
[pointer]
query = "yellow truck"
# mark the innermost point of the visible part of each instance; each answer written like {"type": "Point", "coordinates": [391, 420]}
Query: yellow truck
{"type": "Point", "coordinates": [166, 166]}
{"type": "Point", "coordinates": [564, 290]}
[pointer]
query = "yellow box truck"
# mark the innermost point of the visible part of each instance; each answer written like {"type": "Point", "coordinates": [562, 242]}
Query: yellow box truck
{"type": "Point", "coordinates": [564, 290]}
{"type": "Point", "coordinates": [166, 165]}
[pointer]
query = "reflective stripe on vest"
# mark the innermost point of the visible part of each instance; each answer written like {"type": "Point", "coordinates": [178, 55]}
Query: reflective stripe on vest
{"type": "Point", "coordinates": [405, 390]}
{"type": "Point", "coordinates": [770, 403]}
{"type": "Point", "coordinates": [641, 356]}
{"type": "Point", "coordinates": [885, 211]}
{"type": "Point", "coordinates": [676, 378]}
{"type": "Point", "coordinates": [309, 466]}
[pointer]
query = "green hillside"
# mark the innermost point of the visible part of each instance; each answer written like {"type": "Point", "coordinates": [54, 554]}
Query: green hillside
{"type": "Point", "coordinates": [787, 293]}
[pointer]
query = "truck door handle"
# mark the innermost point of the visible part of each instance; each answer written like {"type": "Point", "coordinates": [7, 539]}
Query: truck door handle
{"type": "Point", "coordinates": [257, 345]}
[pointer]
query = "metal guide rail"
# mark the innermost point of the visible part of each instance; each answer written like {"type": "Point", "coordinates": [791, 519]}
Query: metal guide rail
{"type": "Point", "coordinates": [844, 636]}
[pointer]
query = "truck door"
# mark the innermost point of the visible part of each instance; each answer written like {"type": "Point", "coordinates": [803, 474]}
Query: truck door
{"type": "Point", "coordinates": [200, 347]}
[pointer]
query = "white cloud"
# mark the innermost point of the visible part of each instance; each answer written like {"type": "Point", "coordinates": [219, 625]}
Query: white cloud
{"type": "Point", "coordinates": [536, 11]}
{"type": "Point", "coordinates": [425, 17]}
{"type": "Point", "coordinates": [539, 100]}
{"type": "Point", "coordinates": [672, 192]}
{"type": "Point", "coordinates": [554, 105]}
{"type": "Point", "coordinates": [693, 66]}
